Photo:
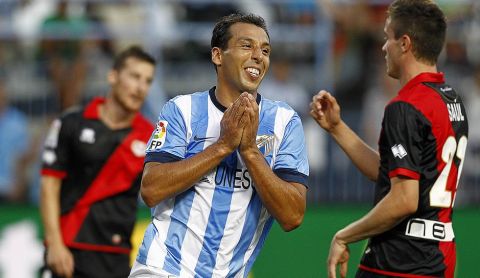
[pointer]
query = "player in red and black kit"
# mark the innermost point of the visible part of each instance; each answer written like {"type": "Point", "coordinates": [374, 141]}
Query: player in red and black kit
{"type": "Point", "coordinates": [421, 152]}
{"type": "Point", "coordinates": [92, 165]}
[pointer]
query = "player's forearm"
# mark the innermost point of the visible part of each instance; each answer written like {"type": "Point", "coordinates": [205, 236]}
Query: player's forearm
{"type": "Point", "coordinates": [161, 181]}
{"type": "Point", "coordinates": [363, 156]}
{"type": "Point", "coordinates": [50, 210]}
{"type": "Point", "coordinates": [390, 211]}
{"type": "Point", "coordinates": [284, 201]}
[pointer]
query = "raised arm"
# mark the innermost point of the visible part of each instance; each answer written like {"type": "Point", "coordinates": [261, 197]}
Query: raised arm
{"type": "Point", "coordinates": [285, 201]}
{"type": "Point", "coordinates": [59, 258]}
{"type": "Point", "coordinates": [161, 181]}
{"type": "Point", "coordinates": [326, 112]}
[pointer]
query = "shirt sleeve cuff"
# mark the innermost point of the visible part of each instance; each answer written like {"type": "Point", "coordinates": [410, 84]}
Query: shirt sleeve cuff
{"type": "Point", "coordinates": [161, 157]}
{"type": "Point", "coordinates": [291, 175]}
{"type": "Point", "coordinates": [404, 172]}
{"type": "Point", "coordinates": [54, 173]}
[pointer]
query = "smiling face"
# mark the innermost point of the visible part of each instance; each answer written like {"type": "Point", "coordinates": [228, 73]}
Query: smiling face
{"type": "Point", "coordinates": [130, 84]}
{"type": "Point", "coordinates": [245, 61]}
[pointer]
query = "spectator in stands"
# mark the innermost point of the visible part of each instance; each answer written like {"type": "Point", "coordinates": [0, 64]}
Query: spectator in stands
{"type": "Point", "coordinates": [470, 87]}
{"type": "Point", "coordinates": [382, 89]}
{"type": "Point", "coordinates": [280, 85]}
{"type": "Point", "coordinates": [62, 49]}
{"type": "Point", "coordinates": [297, 12]}
{"type": "Point", "coordinates": [101, 36]}
{"type": "Point", "coordinates": [14, 150]}
{"type": "Point", "coordinates": [355, 40]}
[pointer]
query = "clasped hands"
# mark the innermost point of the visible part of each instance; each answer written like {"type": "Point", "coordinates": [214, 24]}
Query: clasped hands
{"type": "Point", "coordinates": [239, 125]}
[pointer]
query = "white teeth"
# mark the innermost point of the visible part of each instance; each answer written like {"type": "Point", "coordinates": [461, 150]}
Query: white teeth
{"type": "Point", "coordinates": [254, 72]}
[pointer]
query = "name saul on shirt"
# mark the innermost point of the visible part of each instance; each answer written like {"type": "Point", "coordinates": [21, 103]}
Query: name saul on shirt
{"type": "Point", "coordinates": [455, 112]}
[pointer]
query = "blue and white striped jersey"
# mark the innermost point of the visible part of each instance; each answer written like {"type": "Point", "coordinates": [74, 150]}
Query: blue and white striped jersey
{"type": "Point", "coordinates": [218, 226]}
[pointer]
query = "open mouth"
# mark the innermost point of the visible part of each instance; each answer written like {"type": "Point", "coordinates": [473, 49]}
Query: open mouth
{"type": "Point", "coordinates": [253, 72]}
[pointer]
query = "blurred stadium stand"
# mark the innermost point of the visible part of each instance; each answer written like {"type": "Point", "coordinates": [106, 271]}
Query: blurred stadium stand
{"type": "Point", "coordinates": [330, 44]}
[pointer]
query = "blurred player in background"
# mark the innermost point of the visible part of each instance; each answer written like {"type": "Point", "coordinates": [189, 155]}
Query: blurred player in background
{"type": "Point", "coordinates": [92, 167]}
{"type": "Point", "coordinates": [421, 151]}
{"type": "Point", "coordinates": [221, 165]}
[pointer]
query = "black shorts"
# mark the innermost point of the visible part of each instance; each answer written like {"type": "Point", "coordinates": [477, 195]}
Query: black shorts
{"type": "Point", "coordinates": [93, 264]}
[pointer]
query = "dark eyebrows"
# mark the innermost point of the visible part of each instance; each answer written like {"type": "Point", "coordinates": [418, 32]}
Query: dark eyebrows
{"type": "Point", "coordinates": [247, 39]}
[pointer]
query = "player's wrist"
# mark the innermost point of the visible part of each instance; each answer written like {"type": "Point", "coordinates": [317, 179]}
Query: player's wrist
{"type": "Point", "coordinates": [336, 129]}
{"type": "Point", "coordinates": [223, 148]}
{"type": "Point", "coordinates": [340, 238]}
{"type": "Point", "coordinates": [54, 244]}
{"type": "Point", "coordinates": [249, 152]}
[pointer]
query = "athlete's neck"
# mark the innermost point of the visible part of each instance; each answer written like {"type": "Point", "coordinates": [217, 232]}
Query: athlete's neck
{"type": "Point", "coordinates": [227, 97]}
{"type": "Point", "coordinates": [413, 69]}
{"type": "Point", "coordinates": [114, 116]}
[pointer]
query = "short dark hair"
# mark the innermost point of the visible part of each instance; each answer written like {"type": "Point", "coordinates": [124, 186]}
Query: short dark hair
{"type": "Point", "coordinates": [134, 51]}
{"type": "Point", "coordinates": [221, 33]}
{"type": "Point", "coordinates": [424, 22]}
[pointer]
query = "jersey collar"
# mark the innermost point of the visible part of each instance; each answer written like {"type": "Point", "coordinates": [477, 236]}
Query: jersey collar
{"type": "Point", "coordinates": [220, 107]}
{"type": "Point", "coordinates": [423, 77]}
{"type": "Point", "coordinates": [91, 112]}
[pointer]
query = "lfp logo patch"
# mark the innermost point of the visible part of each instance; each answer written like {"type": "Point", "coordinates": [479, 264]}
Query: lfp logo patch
{"type": "Point", "coordinates": [158, 137]}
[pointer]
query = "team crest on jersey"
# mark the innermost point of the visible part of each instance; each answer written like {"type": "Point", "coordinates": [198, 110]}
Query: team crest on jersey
{"type": "Point", "coordinates": [138, 148]}
{"type": "Point", "coordinates": [87, 136]}
{"type": "Point", "coordinates": [265, 144]}
{"type": "Point", "coordinates": [158, 137]}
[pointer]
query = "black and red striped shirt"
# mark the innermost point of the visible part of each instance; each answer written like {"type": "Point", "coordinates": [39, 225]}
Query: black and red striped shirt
{"type": "Point", "coordinates": [100, 170]}
{"type": "Point", "coordinates": [424, 135]}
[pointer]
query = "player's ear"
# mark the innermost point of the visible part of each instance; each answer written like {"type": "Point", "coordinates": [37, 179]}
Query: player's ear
{"type": "Point", "coordinates": [406, 43]}
{"type": "Point", "coordinates": [217, 56]}
{"type": "Point", "coordinates": [112, 77]}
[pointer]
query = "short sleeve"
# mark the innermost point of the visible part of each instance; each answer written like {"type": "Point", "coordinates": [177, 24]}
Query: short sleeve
{"type": "Point", "coordinates": [169, 139]}
{"type": "Point", "coordinates": [291, 162]}
{"type": "Point", "coordinates": [402, 127]}
{"type": "Point", "coordinates": [56, 149]}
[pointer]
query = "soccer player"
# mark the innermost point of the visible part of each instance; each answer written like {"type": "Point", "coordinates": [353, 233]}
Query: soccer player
{"type": "Point", "coordinates": [421, 152]}
{"type": "Point", "coordinates": [92, 165]}
{"type": "Point", "coordinates": [221, 165]}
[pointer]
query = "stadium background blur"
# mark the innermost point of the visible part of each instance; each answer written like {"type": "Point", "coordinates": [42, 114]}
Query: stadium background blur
{"type": "Point", "coordinates": [55, 54]}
